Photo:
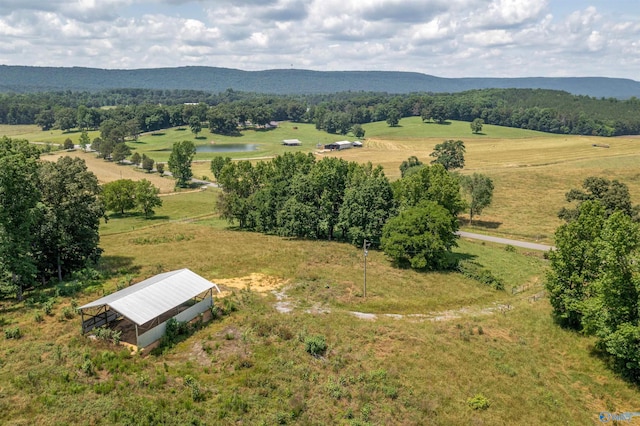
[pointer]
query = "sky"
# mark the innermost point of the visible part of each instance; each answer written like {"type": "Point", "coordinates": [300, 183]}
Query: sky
{"type": "Point", "coordinates": [446, 38]}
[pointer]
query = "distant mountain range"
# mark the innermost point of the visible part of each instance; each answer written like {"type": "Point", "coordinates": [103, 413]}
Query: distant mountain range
{"type": "Point", "coordinates": [289, 81]}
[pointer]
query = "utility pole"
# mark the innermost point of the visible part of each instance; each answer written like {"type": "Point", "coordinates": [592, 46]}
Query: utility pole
{"type": "Point", "coordinates": [365, 250]}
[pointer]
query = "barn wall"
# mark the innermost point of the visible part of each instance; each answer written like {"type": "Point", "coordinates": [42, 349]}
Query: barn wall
{"type": "Point", "coordinates": [187, 315]}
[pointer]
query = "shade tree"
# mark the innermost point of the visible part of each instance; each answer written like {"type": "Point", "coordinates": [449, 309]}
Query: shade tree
{"type": "Point", "coordinates": [479, 191]}
{"type": "Point", "coordinates": [450, 154]}
{"type": "Point", "coordinates": [180, 160]}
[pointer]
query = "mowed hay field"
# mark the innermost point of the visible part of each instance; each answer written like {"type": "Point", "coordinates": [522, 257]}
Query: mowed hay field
{"type": "Point", "coordinates": [532, 171]}
{"type": "Point", "coordinates": [108, 171]}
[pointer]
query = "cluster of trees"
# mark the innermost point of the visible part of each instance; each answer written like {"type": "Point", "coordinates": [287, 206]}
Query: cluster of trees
{"type": "Point", "coordinates": [413, 220]}
{"type": "Point", "coordinates": [139, 111]}
{"type": "Point", "coordinates": [594, 278]}
{"type": "Point", "coordinates": [125, 194]}
{"type": "Point", "coordinates": [49, 216]}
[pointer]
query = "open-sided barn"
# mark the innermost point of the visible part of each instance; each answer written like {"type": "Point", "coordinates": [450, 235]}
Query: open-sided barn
{"type": "Point", "coordinates": [149, 304]}
{"type": "Point", "coordinates": [339, 145]}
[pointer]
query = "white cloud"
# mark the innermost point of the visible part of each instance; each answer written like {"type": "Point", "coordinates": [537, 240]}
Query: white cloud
{"type": "Point", "coordinates": [441, 37]}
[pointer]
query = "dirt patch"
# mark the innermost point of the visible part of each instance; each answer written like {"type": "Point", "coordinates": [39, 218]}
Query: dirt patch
{"type": "Point", "coordinates": [198, 354]}
{"type": "Point", "coordinates": [260, 283]}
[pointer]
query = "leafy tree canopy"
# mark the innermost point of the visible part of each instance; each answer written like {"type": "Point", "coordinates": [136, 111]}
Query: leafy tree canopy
{"type": "Point", "coordinates": [612, 194]}
{"type": "Point", "coordinates": [180, 162]}
{"type": "Point", "coordinates": [421, 237]}
{"type": "Point", "coordinates": [450, 154]}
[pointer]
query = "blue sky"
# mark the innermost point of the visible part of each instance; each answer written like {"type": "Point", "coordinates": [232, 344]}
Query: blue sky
{"type": "Point", "coordinates": [448, 38]}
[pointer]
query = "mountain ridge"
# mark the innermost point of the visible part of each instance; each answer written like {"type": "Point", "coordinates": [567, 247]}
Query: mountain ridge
{"type": "Point", "coordinates": [21, 79]}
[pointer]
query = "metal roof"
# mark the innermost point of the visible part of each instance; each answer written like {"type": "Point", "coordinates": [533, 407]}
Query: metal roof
{"type": "Point", "coordinates": [154, 296]}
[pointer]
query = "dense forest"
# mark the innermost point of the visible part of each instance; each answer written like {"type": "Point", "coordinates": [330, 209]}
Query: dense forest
{"type": "Point", "coordinates": [139, 110]}
{"type": "Point", "coordinates": [25, 79]}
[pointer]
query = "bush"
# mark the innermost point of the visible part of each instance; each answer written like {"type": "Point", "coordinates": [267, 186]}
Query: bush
{"type": "Point", "coordinates": [107, 334]}
{"type": "Point", "coordinates": [38, 317]}
{"type": "Point", "coordinates": [48, 307]}
{"type": "Point", "coordinates": [68, 312]}
{"type": "Point", "coordinates": [475, 271]}
{"type": "Point", "coordinates": [12, 333]}
{"type": "Point", "coordinates": [194, 386]}
{"type": "Point", "coordinates": [315, 345]}
{"type": "Point", "coordinates": [88, 368]}
{"type": "Point", "coordinates": [478, 402]}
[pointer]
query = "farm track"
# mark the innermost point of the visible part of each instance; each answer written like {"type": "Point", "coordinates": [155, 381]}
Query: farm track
{"type": "Point", "coordinates": [285, 305]}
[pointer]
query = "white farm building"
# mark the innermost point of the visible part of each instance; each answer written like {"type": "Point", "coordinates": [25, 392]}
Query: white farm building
{"type": "Point", "coordinates": [146, 307]}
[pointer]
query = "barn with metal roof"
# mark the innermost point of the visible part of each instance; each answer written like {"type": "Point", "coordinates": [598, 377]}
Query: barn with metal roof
{"type": "Point", "coordinates": [180, 294]}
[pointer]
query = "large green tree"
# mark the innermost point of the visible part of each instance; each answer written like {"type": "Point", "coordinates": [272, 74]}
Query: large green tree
{"type": "Point", "coordinates": [594, 282]}
{"type": "Point", "coordinates": [612, 194]}
{"type": "Point", "coordinates": [476, 125]}
{"type": "Point", "coordinates": [450, 154]}
{"type": "Point", "coordinates": [479, 189]}
{"type": "Point", "coordinates": [195, 125]}
{"type": "Point", "coordinates": [68, 232]}
{"type": "Point", "coordinates": [575, 264]}
{"type": "Point", "coordinates": [420, 237]}
{"type": "Point", "coordinates": [367, 205]}
{"type": "Point", "coordinates": [432, 183]}
{"type": "Point", "coordinates": [120, 152]}
{"type": "Point", "coordinates": [410, 163]}
{"type": "Point", "coordinates": [146, 197]}
{"type": "Point", "coordinates": [119, 195]}
{"type": "Point", "coordinates": [180, 162]}
{"type": "Point", "coordinates": [19, 212]}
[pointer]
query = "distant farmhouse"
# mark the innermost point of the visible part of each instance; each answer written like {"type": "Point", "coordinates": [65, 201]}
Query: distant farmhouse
{"type": "Point", "coordinates": [291, 142]}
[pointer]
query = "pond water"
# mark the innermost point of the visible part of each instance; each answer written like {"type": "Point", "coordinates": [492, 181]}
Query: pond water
{"type": "Point", "coordinates": [230, 147]}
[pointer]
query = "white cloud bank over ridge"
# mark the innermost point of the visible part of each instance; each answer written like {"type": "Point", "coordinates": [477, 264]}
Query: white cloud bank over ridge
{"type": "Point", "coordinates": [450, 38]}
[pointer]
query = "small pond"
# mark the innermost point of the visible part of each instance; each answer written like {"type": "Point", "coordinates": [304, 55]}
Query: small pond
{"type": "Point", "coordinates": [230, 147]}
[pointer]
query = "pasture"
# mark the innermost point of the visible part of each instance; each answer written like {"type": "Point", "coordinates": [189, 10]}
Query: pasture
{"type": "Point", "coordinates": [429, 344]}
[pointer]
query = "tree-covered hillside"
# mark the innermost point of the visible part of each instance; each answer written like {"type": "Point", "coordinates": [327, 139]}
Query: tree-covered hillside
{"type": "Point", "coordinates": [23, 79]}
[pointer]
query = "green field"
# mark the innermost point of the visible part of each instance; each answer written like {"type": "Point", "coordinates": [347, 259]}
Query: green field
{"type": "Point", "coordinates": [448, 340]}
{"type": "Point", "coordinates": [436, 339]}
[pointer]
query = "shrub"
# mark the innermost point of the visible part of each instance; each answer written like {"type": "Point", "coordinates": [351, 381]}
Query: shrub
{"type": "Point", "coordinates": [105, 333]}
{"type": "Point", "coordinates": [315, 345]}
{"type": "Point", "coordinates": [478, 402]}
{"type": "Point", "coordinates": [88, 368]}
{"type": "Point", "coordinates": [38, 317]}
{"type": "Point", "coordinates": [68, 312]}
{"type": "Point", "coordinates": [194, 386]}
{"type": "Point", "coordinates": [48, 307]}
{"type": "Point", "coordinates": [12, 333]}
{"type": "Point", "coordinates": [476, 272]}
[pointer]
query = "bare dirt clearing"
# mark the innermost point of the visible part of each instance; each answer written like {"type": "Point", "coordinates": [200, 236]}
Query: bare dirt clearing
{"type": "Point", "coordinates": [260, 283]}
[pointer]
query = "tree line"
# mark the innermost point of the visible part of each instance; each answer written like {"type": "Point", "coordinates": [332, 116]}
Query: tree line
{"type": "Point", "coordinates": [594, 276]}
{"type": "Point", "coordinates": [49, 216]}
{"type": "Point", "coordinates": [413, 219]}
{"type": "Point", "coordinates": [138, 110]}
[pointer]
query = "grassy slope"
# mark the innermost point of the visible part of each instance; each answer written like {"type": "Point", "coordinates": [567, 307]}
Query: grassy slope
{"type": "Point", "coordinates": [252, 365]}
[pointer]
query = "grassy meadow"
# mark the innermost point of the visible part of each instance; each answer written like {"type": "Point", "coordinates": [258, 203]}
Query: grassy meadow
{"type": "Point", "coordinates": [438, 339]}
{"type": "Point", "coordinates": [432, 341]}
